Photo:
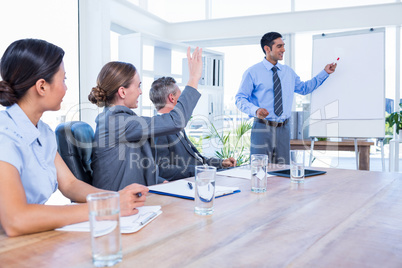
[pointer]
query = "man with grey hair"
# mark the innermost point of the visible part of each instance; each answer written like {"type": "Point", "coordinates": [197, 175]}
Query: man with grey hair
{"type": "Point", "coordinates": [176, 156]}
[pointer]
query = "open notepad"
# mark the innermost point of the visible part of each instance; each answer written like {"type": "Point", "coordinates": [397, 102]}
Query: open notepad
{"type": "Point", "coordinates": [239, 172]}
{"type": "Point", "coordinates": [182, 189]}
{"type": "Point", "coordinates": [243, 173]}
{"type": "Point", "coordinates": [128, 224]}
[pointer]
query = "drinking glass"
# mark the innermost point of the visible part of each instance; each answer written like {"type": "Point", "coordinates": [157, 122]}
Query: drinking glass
{"type": "Point", "coordinates": [204, 190]}
{"type": "Point", "coordinates": [259, 163]}
{"type": "Point", "coordinates": [104, 218]}
{"type": "Point", "coordinates": [297, 166]}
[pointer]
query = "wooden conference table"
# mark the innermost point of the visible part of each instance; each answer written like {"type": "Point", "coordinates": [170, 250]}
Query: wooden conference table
{"type": "Point", "coordinates": [346, 218]}
{"type": "Point", "coordinates": [363, 148]}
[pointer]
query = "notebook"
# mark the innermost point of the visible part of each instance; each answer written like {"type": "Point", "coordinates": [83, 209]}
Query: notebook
{"type": "Point", "coordinates": [182, 189]}
{"type": "Point", "coordinates": [128, 224]}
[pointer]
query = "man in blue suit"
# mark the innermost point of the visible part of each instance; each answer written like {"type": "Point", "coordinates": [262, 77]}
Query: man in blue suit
{"type": "Point", "coordinates": [176, 156]}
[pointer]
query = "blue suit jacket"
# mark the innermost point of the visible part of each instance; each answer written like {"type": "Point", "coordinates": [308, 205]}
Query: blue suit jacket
{"type": "Point", "coordinates": [123, 153]}
{"type": "Point", "coordinates": [176, 158]}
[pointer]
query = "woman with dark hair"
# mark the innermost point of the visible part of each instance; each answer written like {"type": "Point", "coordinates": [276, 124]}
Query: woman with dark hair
{"type": "Point", "coordinates": [33, 81]}
{"type": "Point", "coordinates": [123, 154]}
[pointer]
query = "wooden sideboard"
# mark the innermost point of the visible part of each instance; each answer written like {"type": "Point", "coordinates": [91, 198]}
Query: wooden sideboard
{"type": "Point", "coordinates": [363, 148]}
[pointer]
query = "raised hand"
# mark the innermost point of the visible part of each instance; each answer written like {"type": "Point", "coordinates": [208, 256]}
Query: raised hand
{"type": "Point", "coordinates": [194, 66]}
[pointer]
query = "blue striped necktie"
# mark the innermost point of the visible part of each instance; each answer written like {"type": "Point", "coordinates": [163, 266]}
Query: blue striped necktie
{"type": "Point", "coordinates": [278, 108]}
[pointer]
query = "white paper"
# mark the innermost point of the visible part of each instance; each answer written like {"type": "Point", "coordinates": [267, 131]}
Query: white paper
{"type": "Point", "coordinates": [260, 174]}
{"type": "Point", "coordinates": [128, 224]}
{"type": "Point", "coordinates": [239, 172]}
{"type": "Point", "coordinates": [236, 172]}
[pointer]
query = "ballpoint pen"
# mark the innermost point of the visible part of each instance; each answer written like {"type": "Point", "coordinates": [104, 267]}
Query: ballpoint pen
{"type": "Point", "coordinates": [147, 219]}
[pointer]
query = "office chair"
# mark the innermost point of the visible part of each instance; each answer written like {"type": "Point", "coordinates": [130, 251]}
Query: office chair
{"type": "Point", "coordinates": [74, 144]}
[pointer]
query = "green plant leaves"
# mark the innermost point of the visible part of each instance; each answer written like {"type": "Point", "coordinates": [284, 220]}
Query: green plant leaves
{"type": "Point", "coordinates": [232, 142]}
{"type": "Point", "coordinates": [395, 118]}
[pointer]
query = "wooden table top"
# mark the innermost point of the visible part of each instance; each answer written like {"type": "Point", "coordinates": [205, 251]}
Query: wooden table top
{"type": "Point", "coordinates": [345, 218]}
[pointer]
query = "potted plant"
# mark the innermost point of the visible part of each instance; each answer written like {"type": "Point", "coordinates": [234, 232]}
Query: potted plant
{"type": "Point", "coordinates": [395, 118]}
{"type": "Point", "coordinates": [232, 143]}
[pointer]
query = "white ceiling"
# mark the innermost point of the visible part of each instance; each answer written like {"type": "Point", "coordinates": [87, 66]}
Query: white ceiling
{"type": "Point", "coordinates": [248, 29]}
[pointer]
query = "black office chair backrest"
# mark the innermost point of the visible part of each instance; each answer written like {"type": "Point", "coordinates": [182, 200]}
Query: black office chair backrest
{"type": "Point", "coordinates": [74, 144]}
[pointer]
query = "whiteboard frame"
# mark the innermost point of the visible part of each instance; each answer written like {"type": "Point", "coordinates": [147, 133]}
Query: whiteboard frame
{"type": "Point", "coordinates": [349, 128]}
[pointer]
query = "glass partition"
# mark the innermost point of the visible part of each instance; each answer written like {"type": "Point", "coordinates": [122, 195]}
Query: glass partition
{"type": "Point", "coordinates": [55, 22]}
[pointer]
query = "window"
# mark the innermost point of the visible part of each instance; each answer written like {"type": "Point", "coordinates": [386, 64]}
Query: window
{"type": "Point", "coordinates": [234, 8]}
{"type": "Point", "coordinates": [326, 4]}
{"type": "Point", "coordinates": [55, 22]}
{"type": "Point", "coordinates": [237, 60]}
{"type": "Point", "coordinates": [178, 10]}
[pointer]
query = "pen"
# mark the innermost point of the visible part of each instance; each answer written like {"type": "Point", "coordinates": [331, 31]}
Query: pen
{"type": "Point", "coordinates": [337, 60]}
{"type": "Point", "coordinates": [147, 219]}
{"type": "Point", "coordinates": [138, 194]}
{"type": "Point", "coordinates": [190, 185]}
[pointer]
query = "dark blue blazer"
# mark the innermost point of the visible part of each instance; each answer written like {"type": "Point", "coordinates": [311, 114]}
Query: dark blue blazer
{"type": "Point", "coordinates": [122, 153]}
{"type": "Point", "coordinates": [176, 159]}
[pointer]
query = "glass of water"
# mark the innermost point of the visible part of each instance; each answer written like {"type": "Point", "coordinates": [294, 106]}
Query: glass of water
{"type": "Point", "coordinates": [204, 190]}
{"type": "Point", "coordinates": [259, 163]}
{"type": "Point", "coordinates": [104, 218]}
{"type": "Point", "coordinates": [297, 166]}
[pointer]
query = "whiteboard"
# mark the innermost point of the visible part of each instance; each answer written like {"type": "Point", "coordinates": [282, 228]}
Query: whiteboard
{"type": "Point", "coordinates": [351, 102]}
